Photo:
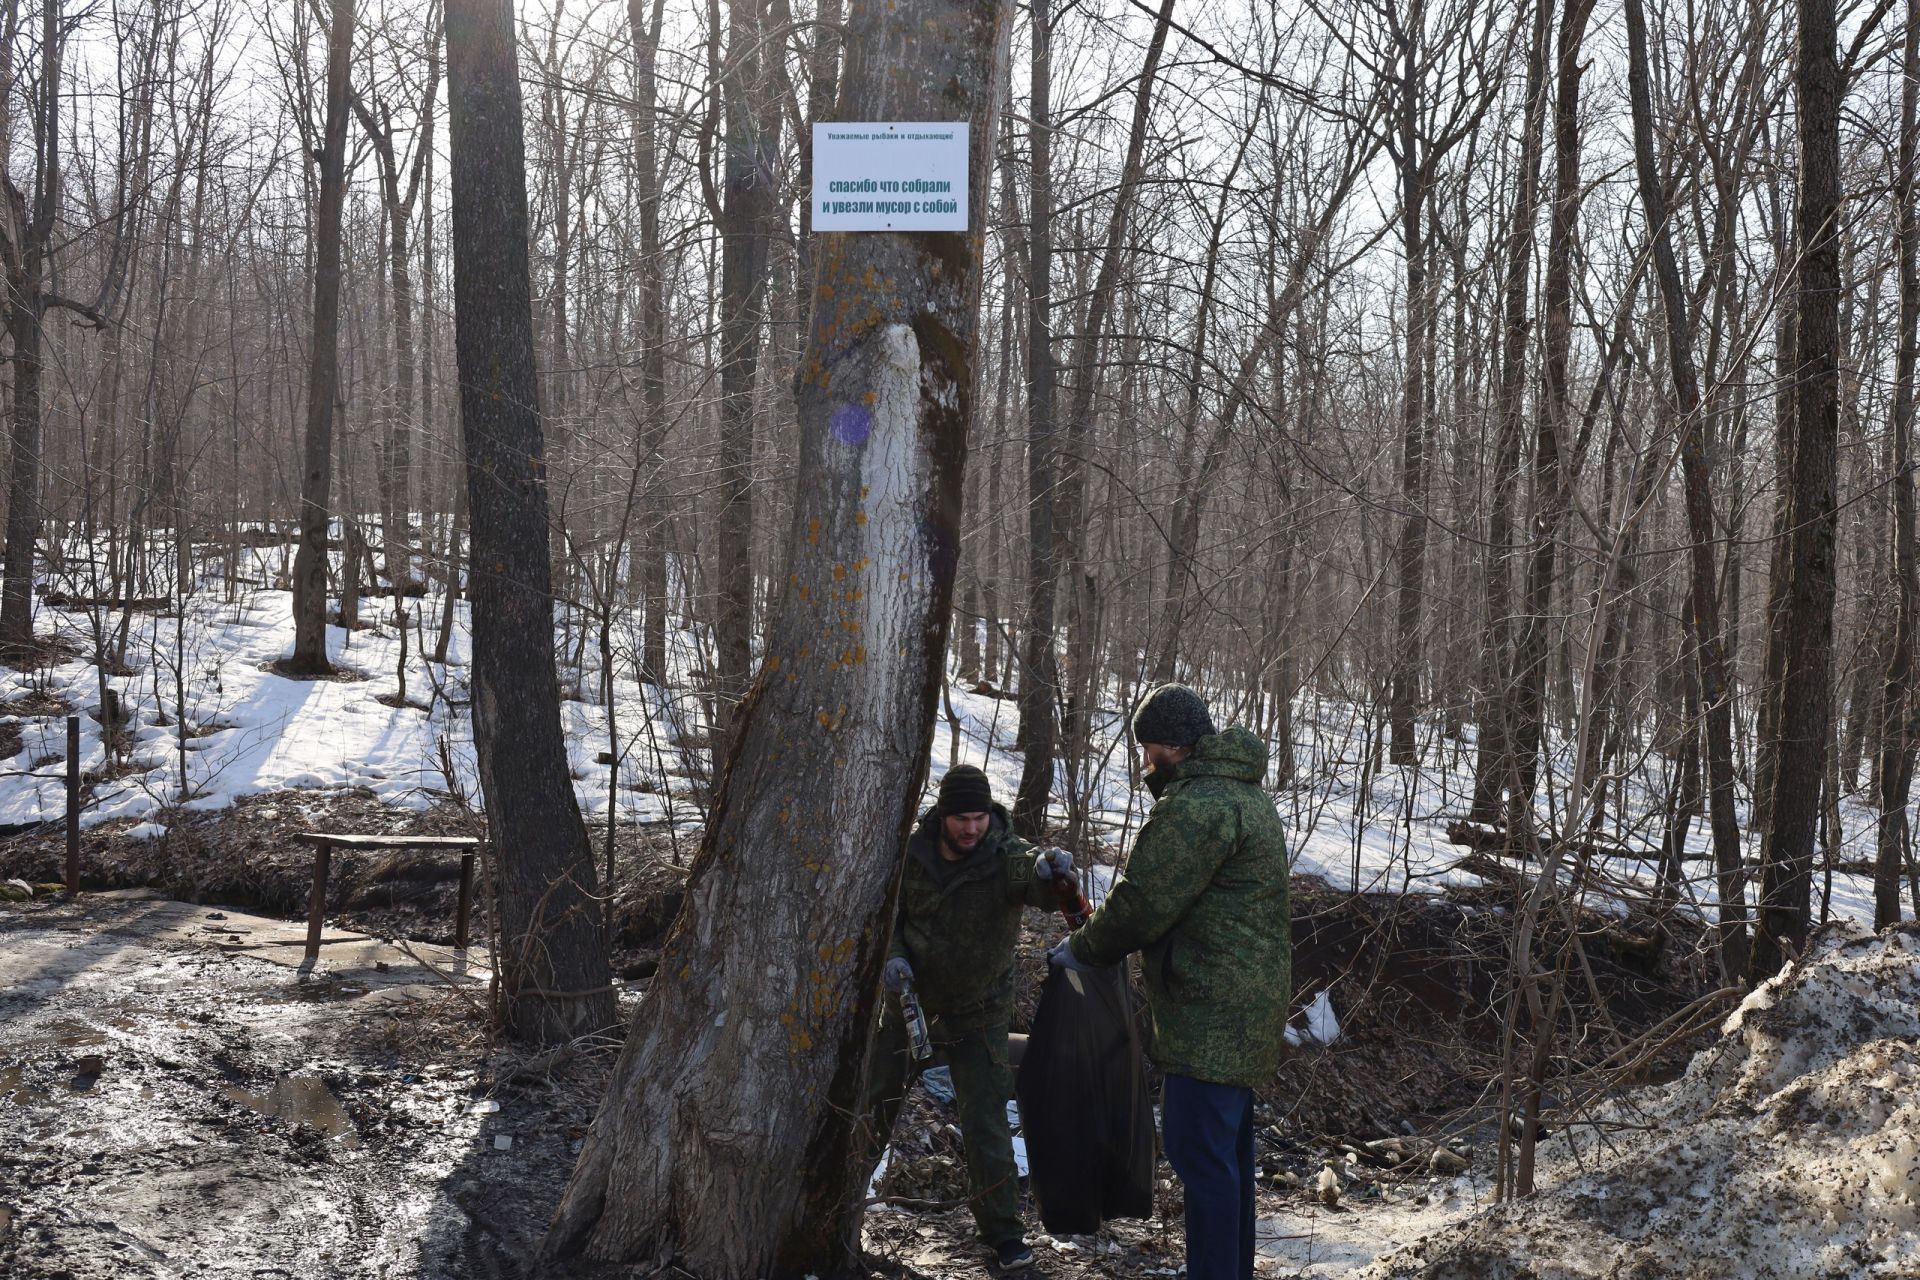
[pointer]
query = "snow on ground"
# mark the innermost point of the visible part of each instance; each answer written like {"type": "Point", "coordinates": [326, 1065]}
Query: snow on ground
{"type": "Point", "coordinates": [252, 730]}
{"type": "Point", "coordinates": [1333, 1242]}
{"type": "Point", "coordinates": [1790, 1150]}
{"type": "Point", "coordinates": [1354, 819]}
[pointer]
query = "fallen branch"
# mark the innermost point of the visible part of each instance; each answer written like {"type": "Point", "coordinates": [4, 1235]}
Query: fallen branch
{"type": "Point", "coordinates": [910, 1202]}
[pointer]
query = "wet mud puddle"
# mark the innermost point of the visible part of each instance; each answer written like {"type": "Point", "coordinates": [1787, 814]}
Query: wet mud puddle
{"type": "Point", "coordinates": [171, 1109]}
{"type": "Point", "coordinates": [301, 1100]}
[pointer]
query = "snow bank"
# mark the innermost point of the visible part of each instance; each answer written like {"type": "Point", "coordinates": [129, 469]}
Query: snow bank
{"type": "Point", "coordinates": [1790, 1149]}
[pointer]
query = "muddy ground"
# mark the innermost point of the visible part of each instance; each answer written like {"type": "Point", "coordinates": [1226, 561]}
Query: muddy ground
{"type": "Point", "coordinates": [247, 855]}
{"type": "Point", "coordinates": [180, 1097]}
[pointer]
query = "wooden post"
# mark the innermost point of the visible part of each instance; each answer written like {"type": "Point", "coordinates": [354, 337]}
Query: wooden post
{"type": "Point", "coordinates": [464, 911]}
{"type": "Point", "coordinates": [73, 804]}
{"type": "Point", "coordinates": [110, 728]}
{"type": "Point", "coordinates": [317, 905]}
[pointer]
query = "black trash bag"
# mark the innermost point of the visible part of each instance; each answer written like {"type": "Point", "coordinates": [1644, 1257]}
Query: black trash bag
{"type": "Point", "coordinates": [1083, 1105]}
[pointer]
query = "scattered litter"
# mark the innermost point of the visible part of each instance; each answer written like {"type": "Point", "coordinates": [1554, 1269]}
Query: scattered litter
{"type": "Point", "coordinates": [486, 1108]}
{"type": "Point", "coordinates": [1323, 1026]}
{"type": "Point", "coordinates": [502, 1142]}
{"type": "Point", "coordinates": [939, 1083]}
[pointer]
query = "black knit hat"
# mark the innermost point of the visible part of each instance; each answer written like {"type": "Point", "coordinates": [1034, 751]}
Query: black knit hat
{"type": "Point", "coordinates": [965, 789]}
{"type": "Point", "coordinates": [1174, 716]}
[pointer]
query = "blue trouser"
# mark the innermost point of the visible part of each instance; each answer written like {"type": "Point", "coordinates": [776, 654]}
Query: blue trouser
{"type": "Point", "coordinates": [1207, 1130]}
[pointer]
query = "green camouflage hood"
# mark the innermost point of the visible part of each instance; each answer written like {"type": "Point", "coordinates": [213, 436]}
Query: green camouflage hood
{"type": "Point", "coordinates": [1204, 902]}
{"type": "Point", "coordinates": [1233, 753]}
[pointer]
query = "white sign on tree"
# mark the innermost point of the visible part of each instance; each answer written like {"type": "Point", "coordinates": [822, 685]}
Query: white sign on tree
{"type": "Point", "coordinates": [890, 177]}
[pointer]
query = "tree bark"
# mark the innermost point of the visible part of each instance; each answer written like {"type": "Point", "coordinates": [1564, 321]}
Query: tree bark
{"type": "Point", "coordinates": [1708, 638]}
{"type": "Point", "coordinates": [1551, 483]}
{"type": "Point", "coordinates": [747, 226]}
{"type": "Point", "coordinates": [26, 272]}
{"type": "Point", "coordinates": [728, 1137]}
{"type": "Point", "coordinates": [1896, 709]}
{"type": "Point", "coordinates": [323, 368]}
{"type": "Point", "coordinates": [1071, 522]}
{"type": "Point", "coordinates": [1803, 698]}
{"type": "Point", "coordinates": [1494, 765]}
{"type": "Point", "coordinates": [1040, 665]}
{"type": "Point", "coordinates": [552, 949]}
{"type": "Point", "coordinates": [652, 269]}
{"type": "Point", "coordinates": [1410, 554]}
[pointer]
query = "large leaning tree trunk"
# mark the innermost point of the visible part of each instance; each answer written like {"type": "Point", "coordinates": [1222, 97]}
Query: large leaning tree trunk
{"type": "Point", "coordinates": [730, 1132]}
{"type": "Point", "coordinates": [1803, 622]}
{"type": "Point", "coordinates": [552, 947]}
{"type": "Point", "coordinates": [323, 363]}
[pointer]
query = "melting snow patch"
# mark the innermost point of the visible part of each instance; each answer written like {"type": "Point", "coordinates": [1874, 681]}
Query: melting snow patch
{"type": "Point", "coordinates": [146, 831]}
{"type": "Point", "coordinates": [1790, 1149]}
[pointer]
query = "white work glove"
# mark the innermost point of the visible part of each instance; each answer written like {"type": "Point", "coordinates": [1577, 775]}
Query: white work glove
{"type": "Point", "coordinates": [1049, 863]}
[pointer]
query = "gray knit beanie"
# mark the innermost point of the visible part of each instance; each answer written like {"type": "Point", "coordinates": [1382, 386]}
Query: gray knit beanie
{"type": "Point", "coordinates": [1174, 716]}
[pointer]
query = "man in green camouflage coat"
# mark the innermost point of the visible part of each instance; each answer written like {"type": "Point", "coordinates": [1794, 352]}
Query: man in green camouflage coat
{"type": "Point", "coordinates": [1204, 901]}
{"type": "Point", "coordinates": [966, 882]}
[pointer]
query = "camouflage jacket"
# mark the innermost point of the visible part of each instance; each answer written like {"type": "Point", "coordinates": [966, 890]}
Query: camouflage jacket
{"type": "Point", "coordinates": [958, 921]}
{"type": "Point", "coordinates": [1204, 900]}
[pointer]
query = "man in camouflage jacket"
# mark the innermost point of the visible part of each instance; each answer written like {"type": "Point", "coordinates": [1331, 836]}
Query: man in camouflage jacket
{"type": "Point", "coordinates": [966, 881]}
{"type": "Point", "coordinates": [1204, 901]}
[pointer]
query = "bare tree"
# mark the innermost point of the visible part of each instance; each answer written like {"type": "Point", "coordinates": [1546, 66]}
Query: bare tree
{"type": "Point", "coordinates": [1423, 51]}
{"type": "Point", "coordinates": [399, 196]}
{"type": "Point", "coordinates": [553, 950]}
{"type": "Point", "coordinates": [726, 1137]}
{"type": "Point", "coordinates": [1896, 706]}
{"type": "Point", "coordinates": [1495, 768]}
{"type": "Point", "coordinates": [747, 223]}
{"type": "Point", "coordinates": [644, 30]}
{"type": "Point", "coordinates": [1040, 663]}
{"type": "Point", "coordinates": [1803, 634]}
{"type": "Point", "coordinates": [1708, 641]}
{"type": "Point", "coordinates": [27, 249]}
{"type": "Point", "coordinates": [309, 655]}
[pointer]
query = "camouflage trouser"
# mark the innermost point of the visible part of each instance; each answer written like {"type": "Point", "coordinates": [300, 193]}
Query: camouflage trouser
{"type": "Point", "coordinates": [982, 1083]}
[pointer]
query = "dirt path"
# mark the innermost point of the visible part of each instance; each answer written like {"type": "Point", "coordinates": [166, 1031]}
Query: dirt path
{"type": "Point", "coordinates": [180, 1096]}
{"type": "Point", "coordinates": [175, 1103]}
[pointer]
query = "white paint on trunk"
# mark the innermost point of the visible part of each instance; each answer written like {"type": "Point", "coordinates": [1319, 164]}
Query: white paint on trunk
{"type": "Point", "coordinates": [897, 582]}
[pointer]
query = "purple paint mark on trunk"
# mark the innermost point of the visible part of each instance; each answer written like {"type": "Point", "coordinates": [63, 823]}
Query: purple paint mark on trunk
{"type": "Point", "coordinates": [852, 424]}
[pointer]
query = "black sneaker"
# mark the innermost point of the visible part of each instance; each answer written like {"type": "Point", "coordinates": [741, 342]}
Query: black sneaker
{"type": "Point", "coordinates": [1010, 1256]}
